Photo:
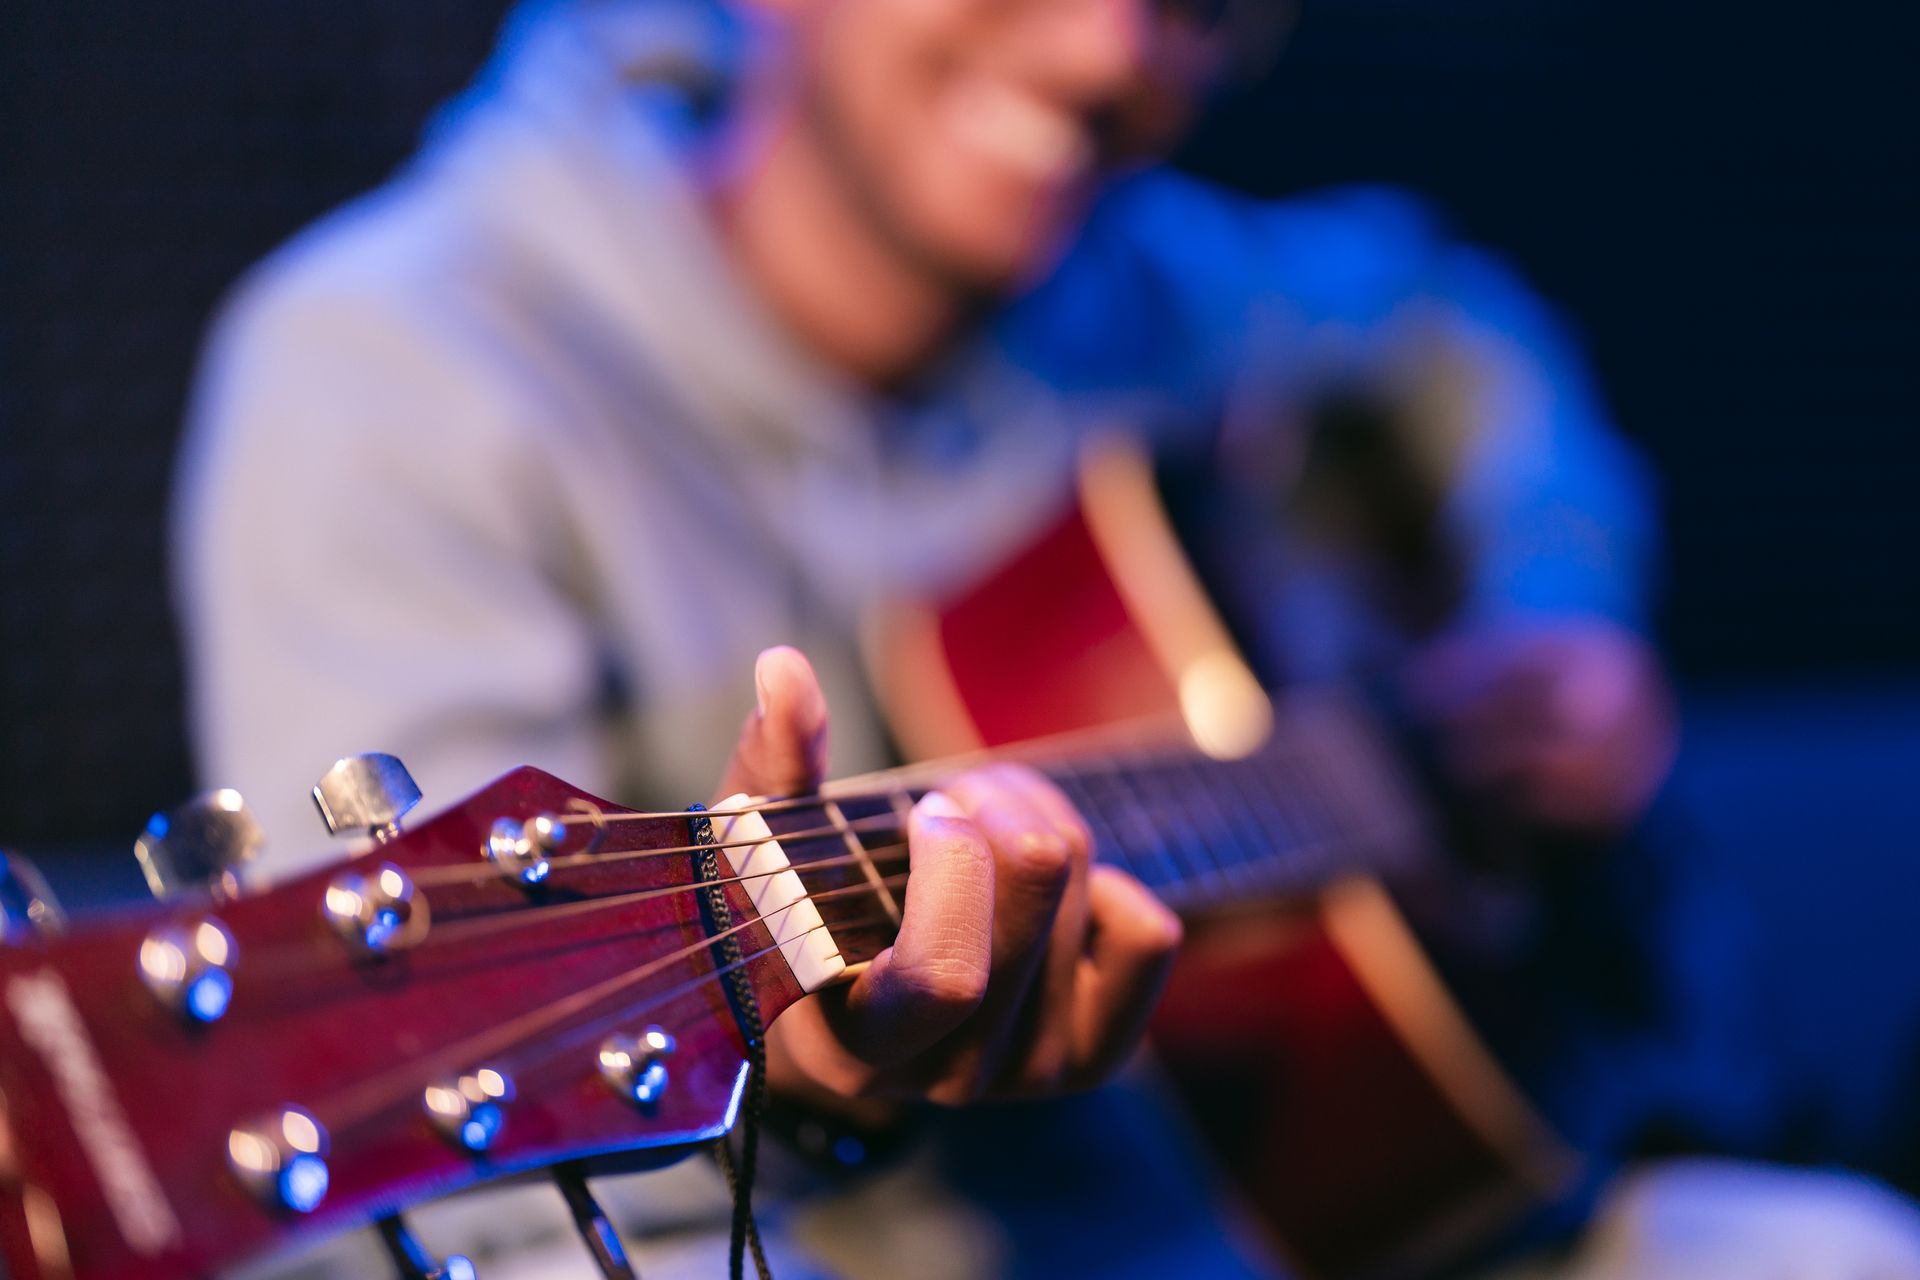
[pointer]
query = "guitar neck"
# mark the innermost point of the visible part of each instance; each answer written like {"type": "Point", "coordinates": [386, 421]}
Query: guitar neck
{"type": "Point", "coordinates": [1322, 799]}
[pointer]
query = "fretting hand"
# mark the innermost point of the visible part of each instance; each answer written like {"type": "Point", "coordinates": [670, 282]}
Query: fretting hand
{"type": "Point", "coordinates": [1018, 969]}
{"type": "Point", "coordinates": [1569, 722]}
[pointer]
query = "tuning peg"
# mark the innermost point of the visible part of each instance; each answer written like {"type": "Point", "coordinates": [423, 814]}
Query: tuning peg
{"type": "Point", "coordinates": [282, 1159]}
{"type": "Point", "coordinates": [28, 909]}
{"type": "Point", "coordinates": [412, 1258]}
{"type": "Point", "coordinates": [369, 792]}
{"type": "Point", "coordinates": [205, 843]}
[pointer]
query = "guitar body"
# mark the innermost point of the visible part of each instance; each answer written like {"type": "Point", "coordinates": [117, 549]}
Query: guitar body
{"type": "Point", "coordinates": [1339, 1085]}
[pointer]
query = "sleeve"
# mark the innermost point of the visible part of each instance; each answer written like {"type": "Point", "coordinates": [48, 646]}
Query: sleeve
{"type": "Point", "coordinates": [364, 560]}
{"type": "Point", "coordinates": [1546, 507]}
{"type": "Point", "coordinates": [1553, 510]}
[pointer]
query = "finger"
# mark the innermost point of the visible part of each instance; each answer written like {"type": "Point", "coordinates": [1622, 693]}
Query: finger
{"type": "Point", "coordinates": [782, 750]}
{"type": "Point", "coordinates": [935, 974]}
{"type": "Point", "coordinates": [1131, 944]}
{"type": "Point", "coordinates": [1034, 860]}
{"type": "Point", "coordinates": [1044, 1041]}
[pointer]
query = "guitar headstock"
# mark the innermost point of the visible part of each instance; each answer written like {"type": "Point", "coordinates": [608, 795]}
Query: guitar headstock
{"type": "Point", "coordinates": [525, 979]}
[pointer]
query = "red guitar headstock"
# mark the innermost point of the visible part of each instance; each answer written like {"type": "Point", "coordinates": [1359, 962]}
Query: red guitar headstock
{"type": "Point", "coordinates": [525, 979]}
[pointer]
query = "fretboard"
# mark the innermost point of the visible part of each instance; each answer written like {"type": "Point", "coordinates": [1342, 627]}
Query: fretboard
{"type": "Point", "coordinates": [1322, 799]}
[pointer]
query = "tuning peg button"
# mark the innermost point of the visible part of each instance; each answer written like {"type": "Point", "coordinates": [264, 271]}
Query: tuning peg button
{"type": "Point", "coordinates": [471, 1110]}
{"type": "Point", "coordinates": [369, 792]}
{"type": "Point", "coordinates": [376, 909]}
{"type": "Point", "coordinates": [189, 969]}
{"type": "Point", "coordinates": [520, 849]}
{"type": "Point", "coordinates": [636, 1066]}
{"type": "Point", "coordinates": [282, 1159]}
{"type": "Point", "coordinates": [28, 909]}
{"type": "Point", "coordinates": [206, 843]}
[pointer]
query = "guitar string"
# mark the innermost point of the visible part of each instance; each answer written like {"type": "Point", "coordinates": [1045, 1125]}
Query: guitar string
{"type": "Point", "coordinates": [298, 961]}
{"type": "Point", "coordinates": [477, 1048]}
{"type": "Point", "coordinates": [772, 805]}
{"type": "Point", "coordinates": [601, 991]}
{"type": "Point", "coordinates": [467, 928]}
{"type": "Point", "coordinates": [482, 873]}
{"type": "Point", "coordinates": [1151, 735]}
{"type": "Point", "coordinates": [1183, 869]}
{"type": "Point", "coordinates": [876, 822]}
{"type": "Point", "coordinates": [1143, 812]}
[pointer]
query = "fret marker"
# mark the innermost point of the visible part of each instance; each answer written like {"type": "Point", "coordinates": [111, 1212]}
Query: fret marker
{"type": "Point", "coordinates": [778, 895]}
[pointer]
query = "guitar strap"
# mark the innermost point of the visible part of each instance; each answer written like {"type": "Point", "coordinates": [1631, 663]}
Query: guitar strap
{"type": "Point", "coordinates": [740, 1169]}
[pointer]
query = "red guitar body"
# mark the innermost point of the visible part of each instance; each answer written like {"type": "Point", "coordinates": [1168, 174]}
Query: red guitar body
{"type": "Point", "coordinates": [1338, 1084]}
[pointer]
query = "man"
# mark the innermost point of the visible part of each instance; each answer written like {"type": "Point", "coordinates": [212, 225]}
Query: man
{"type": "Point", "coordinates": [697, 329]}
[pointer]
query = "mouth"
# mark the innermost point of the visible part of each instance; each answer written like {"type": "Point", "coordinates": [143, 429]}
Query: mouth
{"type": "Point", "coordinates": [1018, 130]}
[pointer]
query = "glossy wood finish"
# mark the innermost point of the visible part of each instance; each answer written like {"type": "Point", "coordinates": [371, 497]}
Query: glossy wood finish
{"type": "Point", "coordinates": [527, 981]}
{"type": "Point", "coordinates": [1375, 1136]}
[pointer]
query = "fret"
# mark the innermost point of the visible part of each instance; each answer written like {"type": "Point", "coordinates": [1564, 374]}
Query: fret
{"type": "Point", "coordinates": [1315, 801]}
{"type": "Point", "coordinates": [1182, 831]}
{"type": "Point", "coordinates": [1288, 853]}
{"type": "Point", "coordinates": [838, 818]}
{"type": "Point", "coordinates": [1248, 850]}
{"type": "Point", "coordinates": [1283, 786]}
{"type": "Point", "coordinates": [1106, 839]}
{"type": "Point", "coordinates": [1149, 857]}
{"type": "Point", "coordinates": [848, 902]}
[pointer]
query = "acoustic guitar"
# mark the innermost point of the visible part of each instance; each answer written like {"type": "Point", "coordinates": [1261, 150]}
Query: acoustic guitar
{"type": "Point", "coordinates": [1342, 1087]}
{"type": "Point", "coordinates": [538, 979]}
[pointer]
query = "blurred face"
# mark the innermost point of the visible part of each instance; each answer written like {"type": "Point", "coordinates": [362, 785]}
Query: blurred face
{"type": "Point", "coordinates": [969, 135]}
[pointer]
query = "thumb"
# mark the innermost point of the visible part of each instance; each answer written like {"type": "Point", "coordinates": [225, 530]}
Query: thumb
{"type": "Point", "coordinates": [782, 749]}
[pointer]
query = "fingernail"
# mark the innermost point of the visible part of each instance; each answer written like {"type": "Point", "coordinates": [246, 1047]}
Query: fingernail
{"type": "Point", "coordinates": [760, 683]}
{"type": "Point", "coordinates": [938, 804]}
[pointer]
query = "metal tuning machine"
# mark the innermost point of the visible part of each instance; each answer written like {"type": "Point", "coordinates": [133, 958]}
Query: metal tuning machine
{"type": "Point", "coordinates": [520, 850]}
{"type": "Point", "coordinates": [376, 909]}
{"type": "Point", "coordinates": [369, 792]}
{"type": "Point", "coordinates": [28, 909]}
{"type": "Point", "coordinates": [206, 843]}
{"type": "Point", "coordinates": [282, 1159]}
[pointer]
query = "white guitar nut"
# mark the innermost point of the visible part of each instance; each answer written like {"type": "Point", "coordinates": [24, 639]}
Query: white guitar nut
{"type": "Point", "coordinates": [778, 895]}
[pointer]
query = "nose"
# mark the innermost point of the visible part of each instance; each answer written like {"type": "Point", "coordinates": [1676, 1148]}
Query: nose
{"type": "Point", "coordinates": [1100, 48]}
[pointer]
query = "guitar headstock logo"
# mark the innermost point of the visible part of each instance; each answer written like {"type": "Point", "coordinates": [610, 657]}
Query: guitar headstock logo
{"type": "Point", "coordinates": [49, 1022]}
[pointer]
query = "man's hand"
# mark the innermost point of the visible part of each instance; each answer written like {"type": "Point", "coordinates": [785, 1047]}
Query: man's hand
{"type": "Point", "coordinates": [1569, 722]}
{"type": "Point", "coordinates": [1018, 968]}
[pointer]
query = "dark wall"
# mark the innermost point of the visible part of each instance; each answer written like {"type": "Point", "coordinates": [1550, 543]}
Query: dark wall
{"type": "Point", "coordinates": [1727, 200]}
{"type": "Point", "coordinates": [1724, 199]}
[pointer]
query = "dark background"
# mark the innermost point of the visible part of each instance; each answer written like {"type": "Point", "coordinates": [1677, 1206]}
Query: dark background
{"type": "Point", "coordinates": [1724, 199]}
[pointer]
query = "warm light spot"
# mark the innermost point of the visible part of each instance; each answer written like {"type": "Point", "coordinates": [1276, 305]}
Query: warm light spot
{"type": "Point", "coordinates": [163, 960]}
{"type": "Point", "coordinates": [342, 902]}
{"type": "Point", "coordinates": [492, 1083]}
{"type": "Point", "coordinates": [248, 1151]}
{"type": "Point", "coordinates": [211, 941]}
{"type": "Point", "coordinates": [300, 1131]}
{"type": "Point", "coordinates": [1225, 708]}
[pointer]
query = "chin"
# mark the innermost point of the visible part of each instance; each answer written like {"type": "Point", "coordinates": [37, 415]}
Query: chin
{"type": "Point", "coordinates": [998, 246]}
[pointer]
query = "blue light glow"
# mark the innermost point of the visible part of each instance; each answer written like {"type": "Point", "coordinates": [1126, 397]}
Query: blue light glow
{"type": "Point", "coordinates": [482, 1126]}
{"type": "Point", "coordinates": [303, 1183]}
{"type": "Point", "coordinates": [651, 1084]}
{"type": "Point", "coordinates": [385, 924]}
{"type": "Point", "coordinates": [209, 995]}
